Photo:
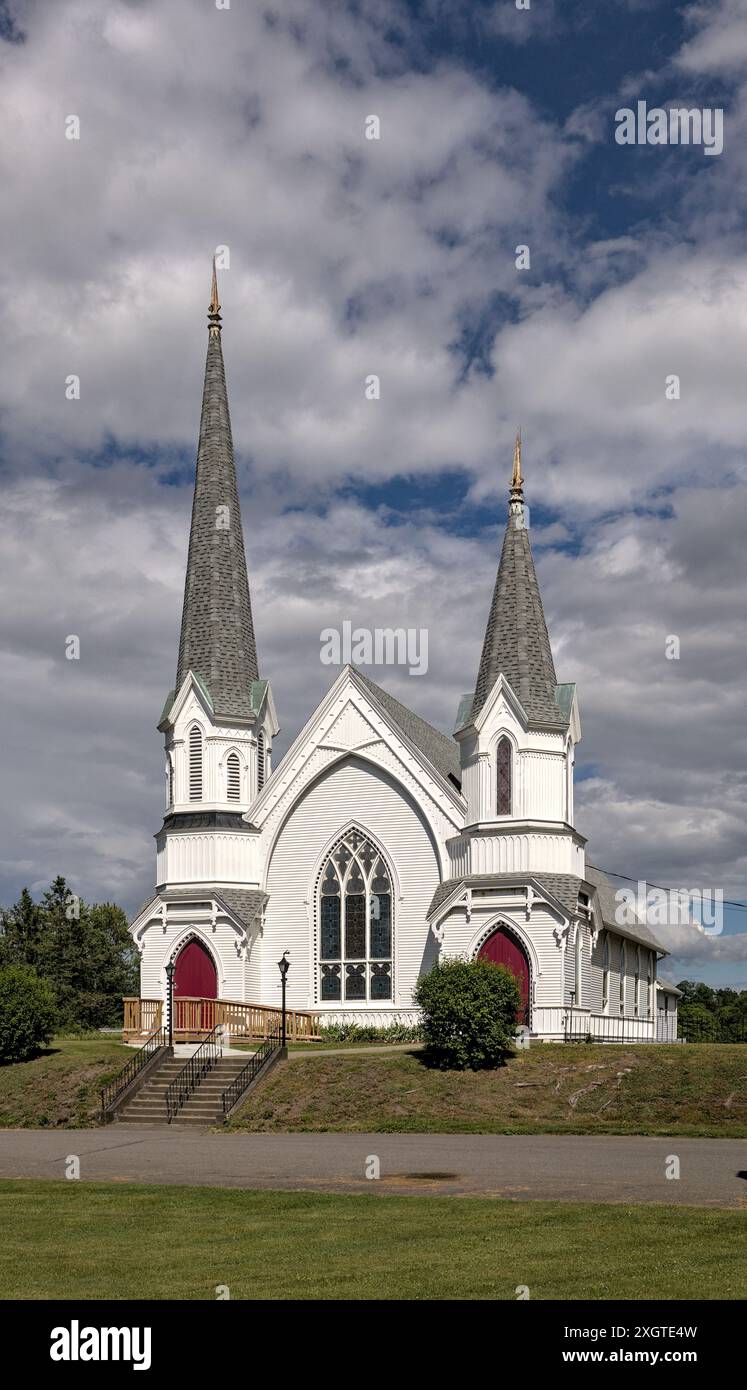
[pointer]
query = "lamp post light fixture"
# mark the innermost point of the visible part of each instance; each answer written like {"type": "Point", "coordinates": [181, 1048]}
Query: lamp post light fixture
{"type": "Point", "coordinates": [170, 969]}
{"type": "Point", "coordinates": [283, 967]}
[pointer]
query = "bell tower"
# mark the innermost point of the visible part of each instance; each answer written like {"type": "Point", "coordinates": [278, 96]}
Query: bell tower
{"type": "Point", "coordinates": [219, 721]}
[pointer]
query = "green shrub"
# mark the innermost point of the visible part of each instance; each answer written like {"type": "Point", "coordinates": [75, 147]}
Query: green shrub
{"type": "Point", "coordinates": [27, 1013]}
{"type": "Point", "coordinates": [469, 1013]}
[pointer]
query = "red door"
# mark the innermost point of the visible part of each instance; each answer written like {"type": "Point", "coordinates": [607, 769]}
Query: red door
{"type": "Point", "coordinates": [196, 978]}
{"type": "Point", "coordinates": [504, 949]}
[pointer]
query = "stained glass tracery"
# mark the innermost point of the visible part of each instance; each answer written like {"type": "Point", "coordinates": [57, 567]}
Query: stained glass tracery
{"type": "Point", "coordinates": [355, 914]}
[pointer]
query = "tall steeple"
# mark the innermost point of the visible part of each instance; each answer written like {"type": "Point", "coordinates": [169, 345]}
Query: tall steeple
{"type": "Point", "coordinates": [516, 643]}
{"type": "Point", "coordinates": [217, 633]}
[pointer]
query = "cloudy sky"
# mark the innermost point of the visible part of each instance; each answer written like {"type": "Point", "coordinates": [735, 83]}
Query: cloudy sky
{"type": "Point", "coordinates": [244, 127]}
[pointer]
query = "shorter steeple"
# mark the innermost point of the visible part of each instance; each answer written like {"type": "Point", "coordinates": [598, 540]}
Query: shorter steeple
{"type": "Point", "coordinates": [517, 645]}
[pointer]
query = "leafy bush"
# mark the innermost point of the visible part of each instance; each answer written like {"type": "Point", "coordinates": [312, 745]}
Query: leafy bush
{"type": "Point", "coordinates": [469, 1013]}
{"type": "Point", "coordinates": [361, 1032]}
{"type": "Point", "coordinates": [27, 1013]}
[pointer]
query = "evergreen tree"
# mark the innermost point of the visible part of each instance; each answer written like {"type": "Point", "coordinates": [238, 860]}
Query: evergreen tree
{"type": "Point", "coordinates": [85, 952]}
{"type": "Point", "coordinates": [21, 930]}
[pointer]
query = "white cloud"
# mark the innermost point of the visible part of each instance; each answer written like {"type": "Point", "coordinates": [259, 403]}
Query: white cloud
{"type": "Point", "coordinates": [202, 127]}
{"type": "Point", "coordinates": [720, 43]}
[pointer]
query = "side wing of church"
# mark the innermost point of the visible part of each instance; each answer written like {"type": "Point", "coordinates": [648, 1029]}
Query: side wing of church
{"type": "Point", "coordinates": [378, 844]}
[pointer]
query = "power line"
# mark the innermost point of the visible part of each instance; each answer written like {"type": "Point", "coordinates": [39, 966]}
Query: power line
{"type": "Point", "coordinates": [727, 902]}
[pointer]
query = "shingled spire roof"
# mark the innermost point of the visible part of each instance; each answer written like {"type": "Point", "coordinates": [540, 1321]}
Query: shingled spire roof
{"type": "Point", "coordinates": [516, 642]}
{"type": "Point", "coordinates": [217, 634]}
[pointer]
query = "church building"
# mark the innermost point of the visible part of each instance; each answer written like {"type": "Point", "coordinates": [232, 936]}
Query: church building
{"type": "Point", "coordinates": [378, 844]}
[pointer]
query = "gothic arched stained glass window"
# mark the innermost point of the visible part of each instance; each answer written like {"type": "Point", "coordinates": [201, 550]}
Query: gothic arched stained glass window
{"type": "Point", "coordinates": [355, 920]}
{"type": "Point", "coordinates": [504, 779]}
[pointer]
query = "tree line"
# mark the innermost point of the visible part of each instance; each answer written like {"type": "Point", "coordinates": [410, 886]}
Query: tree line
{"type": "Point", "coordinates": [76, 959]}
{"type": "Point", "coordinates": [712, 1015]}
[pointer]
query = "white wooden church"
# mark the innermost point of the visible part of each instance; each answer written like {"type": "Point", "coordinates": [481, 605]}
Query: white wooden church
{"type": "Point", "coordinates": [379, 844]}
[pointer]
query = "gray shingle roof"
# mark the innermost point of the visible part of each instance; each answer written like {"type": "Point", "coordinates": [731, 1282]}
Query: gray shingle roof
{"type": "Point", "coordinates": [565, 889]}
{"type": "Point", "coordinates": [517, 644]}
{"type": "Point", "coordinates": [217, 633]}
{"type": "Point", "coordinates": [607, 903]}
{"type": "Point", "coordinates": [439, 749]}
{"type": "Point", "coordinates": [667, 987]}
{"type": "Point", "coordinates": [204, 820]}
{"type": "Point", "coordinates": [244, 903]}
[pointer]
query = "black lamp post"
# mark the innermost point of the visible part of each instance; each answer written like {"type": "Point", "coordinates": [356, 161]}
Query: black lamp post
{"type": "Point", "coordinates": [283, 967]}
{"type": "Point", "coordinates": [170, 968]}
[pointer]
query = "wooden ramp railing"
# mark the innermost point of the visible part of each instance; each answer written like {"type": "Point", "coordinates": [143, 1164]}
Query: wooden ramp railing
{"type": "Point", "coordinates": [194, 1018]}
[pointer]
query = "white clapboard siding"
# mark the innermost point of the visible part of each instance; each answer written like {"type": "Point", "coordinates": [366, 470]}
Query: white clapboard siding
{"type": "Point", "coordinates": [462, 937]}
{"type": "Point", "coordinates": [220, 943]}
{"type": "Point", "coordinates": [356, 792]}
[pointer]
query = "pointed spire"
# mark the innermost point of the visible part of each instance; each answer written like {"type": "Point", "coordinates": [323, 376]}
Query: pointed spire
{"type": "Point", "coordinates": [517, 480]}
{"type": "Point", "coordinates": [214, 307]}
{"type": "Point", "coordinates": [516, 490]}
{"type": "Point", "coordinates": [217, 633]}
{"type": "Point", "coordinates": [516, 643]}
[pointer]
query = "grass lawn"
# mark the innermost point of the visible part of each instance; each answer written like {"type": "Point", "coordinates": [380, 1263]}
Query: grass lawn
{"type": "Point", "coordinates": [61, 1086]}
{"type": "Point", "coordinates": [96, 1240]}
{"type": "Point", "coordinates": [698, 1089]}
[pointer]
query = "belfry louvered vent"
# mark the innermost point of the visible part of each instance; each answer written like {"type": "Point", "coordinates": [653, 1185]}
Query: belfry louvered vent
{"type": "Point", "coordinates": [260, 761]}
{"type": "Point", "coordinates": [195, 764]}
{"type": "Point", "coordinates": [233, 777]}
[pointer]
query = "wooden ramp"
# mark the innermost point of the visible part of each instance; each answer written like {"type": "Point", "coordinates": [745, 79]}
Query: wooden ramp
{"type": "Point", "coordinates": [194, 1018]}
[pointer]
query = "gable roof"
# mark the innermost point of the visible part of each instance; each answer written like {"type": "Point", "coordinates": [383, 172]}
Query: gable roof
{"type": "Point", "coordinates": [217, 634]}
{"type": "Point", "coordinates": [607, 902]}
{"type": "Point", "coordinates": [243, 903]}
{"type": "Point", "coordinates": [440, 750]}
{"type": "Point", "coordinates": [565, 888]}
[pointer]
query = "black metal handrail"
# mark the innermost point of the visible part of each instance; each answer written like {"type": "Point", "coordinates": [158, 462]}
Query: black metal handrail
{"type": "Point", "coordinates": [252, 1069]}
{"type": "Point", "coordinates": [131, 1069]}
{"type": "Point", "coordinates": [187, 1080]}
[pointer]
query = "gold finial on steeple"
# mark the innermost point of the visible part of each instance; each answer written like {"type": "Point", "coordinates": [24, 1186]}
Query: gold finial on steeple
{"type": "Point", "coordinates": [515, 492]}
{"type": "Point", "coordinates": [517, 480]}
{"type": "Point", "coordinates": [214, 307]}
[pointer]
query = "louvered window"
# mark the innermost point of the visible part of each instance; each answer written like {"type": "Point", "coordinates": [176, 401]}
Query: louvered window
{"type": "Point", "coordinates": [233, 777]}
{"type": "Point", "coordinates": [605, 972]}
{"type": "Point", "coordinates": [504, 779]}
{"type": "Point", "coordinates": [195, 763]}
{"type": "Point", "coordinates": [171, 779]}
{"type": "Point", "coordinates": [260, 761]}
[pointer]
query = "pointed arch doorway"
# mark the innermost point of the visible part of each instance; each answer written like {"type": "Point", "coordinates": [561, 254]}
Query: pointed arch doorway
{"type": "Point", "coordinates": [503, 948]}
{"type": "Point", "coordinates": [195, 991]}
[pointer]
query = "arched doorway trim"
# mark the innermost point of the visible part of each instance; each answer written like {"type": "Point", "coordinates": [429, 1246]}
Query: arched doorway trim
{"type": "Point", "coordinates": [192, 934]}
{"type": "Point", "coordinates": [522, 938]}
{"type": "Point", "coordinates": [505, 948]}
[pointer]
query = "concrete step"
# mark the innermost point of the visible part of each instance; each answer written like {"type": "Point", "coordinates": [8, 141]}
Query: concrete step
{"type": "Point", "coordinates": [203, 1108]}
